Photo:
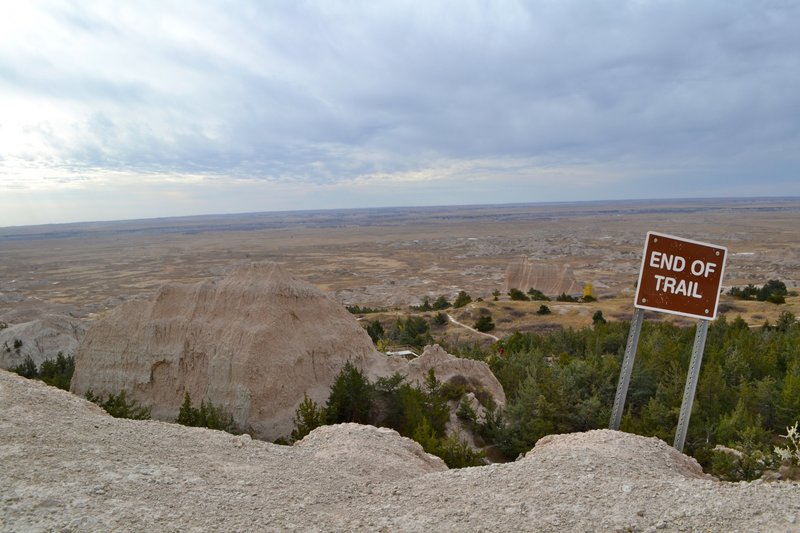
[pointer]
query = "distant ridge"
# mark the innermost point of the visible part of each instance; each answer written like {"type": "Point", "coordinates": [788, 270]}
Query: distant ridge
{"type": "Point", "coordinates": [367, 216]}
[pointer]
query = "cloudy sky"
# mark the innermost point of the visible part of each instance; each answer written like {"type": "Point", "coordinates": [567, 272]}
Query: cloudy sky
{"type": "Point", "coordinates": [134, 109]}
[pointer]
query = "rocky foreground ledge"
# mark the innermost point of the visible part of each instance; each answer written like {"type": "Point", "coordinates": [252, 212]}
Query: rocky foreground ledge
{"type": "Point", "coordinates": [67, 466]}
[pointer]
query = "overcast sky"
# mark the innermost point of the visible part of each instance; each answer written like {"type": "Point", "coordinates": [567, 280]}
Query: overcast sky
{"type": "Point", "coordinates": [113, 110]}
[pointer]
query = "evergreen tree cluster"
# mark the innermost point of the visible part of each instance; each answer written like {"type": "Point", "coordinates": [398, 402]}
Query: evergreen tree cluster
{"type": "Point", "coordinates": [748, 391]}
{"type": "Point", "coordinates": [462, 299]}
{"type": "Point", "coordinates": [207, 415]}
{"type": "Point", "coordinates": [773, 291]}
{"type": "Point", "coordinates": [537, 295]}
{"type": "Point", "coordinates": [518, 295]}
{"type": "Point", "coordinates": [438, 305]}
{"type": "Point", "coordinates": [484, 324]}
{"type": "Point", "coordinates": [412, 331]}
{"type": "Point", "coordinates": [56, 372]}
{"type": "Point", "coordinates": [119, 406]}
{"type": "Point", "coordinates": [358, 310]}
{"type": "Point", "coordinates": [417, 413]}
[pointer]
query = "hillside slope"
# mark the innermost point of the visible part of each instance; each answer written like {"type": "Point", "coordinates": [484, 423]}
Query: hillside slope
{"type": "Point", "coordinates": [67, 465]}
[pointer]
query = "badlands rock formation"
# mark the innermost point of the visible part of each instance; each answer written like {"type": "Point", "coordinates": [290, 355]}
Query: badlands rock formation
{"type": "Point", "coordinates": [67, 466]}
{"type": "Point", "coordinates": [254, 342]}
{"type": "Point", "coordinates": [42, 339]}
{"type": "Point", "coordinates": [475, 374]}
{"type": "Point", "coordinates": [552, 280]}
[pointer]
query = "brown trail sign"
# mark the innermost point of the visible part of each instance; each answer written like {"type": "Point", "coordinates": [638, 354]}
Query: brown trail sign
{"type": "Point", "coordinates": [682, 277]}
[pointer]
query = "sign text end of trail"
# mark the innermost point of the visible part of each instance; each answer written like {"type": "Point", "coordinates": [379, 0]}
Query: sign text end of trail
{"type": "Point", "coordinates": [682, 277]}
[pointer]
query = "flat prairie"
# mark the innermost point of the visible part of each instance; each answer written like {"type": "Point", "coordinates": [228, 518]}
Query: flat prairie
{"type": "Point", "coordinates": [394, 257]}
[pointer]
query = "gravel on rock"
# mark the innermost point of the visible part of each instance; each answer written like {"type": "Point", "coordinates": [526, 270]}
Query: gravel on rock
{"type": "Point", "coordinates": [67, 466]}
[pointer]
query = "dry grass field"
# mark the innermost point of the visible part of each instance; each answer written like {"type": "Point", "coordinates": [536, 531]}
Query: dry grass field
{"type": "Point", "coordinates": [392, 258]}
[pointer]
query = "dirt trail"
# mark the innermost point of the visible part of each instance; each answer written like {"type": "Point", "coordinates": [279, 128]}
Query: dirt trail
{"type": "Point", "coordinates": [473, 330]}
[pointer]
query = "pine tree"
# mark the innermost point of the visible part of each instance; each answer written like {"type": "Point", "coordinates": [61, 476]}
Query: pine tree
{"type": "Point", "coordinates": [308, 417]}
{"type": "Point", "coordinates": [351, 397]}
{"type": "Point", "coordinates": [187, 415]}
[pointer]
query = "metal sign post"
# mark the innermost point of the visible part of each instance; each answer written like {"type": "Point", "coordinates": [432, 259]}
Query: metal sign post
{"type": "Point", "coordinates": [691, 384]}
{"type": "Point", "coordinates": [627, 368]}
{"type": "Point", "coordinates": [682, 277]}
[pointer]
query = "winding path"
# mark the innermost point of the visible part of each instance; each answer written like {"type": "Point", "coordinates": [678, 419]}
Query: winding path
{"type": "Point", "coordinates": [456, 322]}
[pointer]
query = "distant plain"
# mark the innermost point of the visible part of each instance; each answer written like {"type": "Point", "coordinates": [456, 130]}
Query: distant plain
{"type": "Point", "coordinates": [394, 257]}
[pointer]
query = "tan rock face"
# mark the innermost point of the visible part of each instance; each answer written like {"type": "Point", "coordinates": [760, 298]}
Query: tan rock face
{"type": "Point", "coordinates": [41, 339]}
{"type": "Point", "coordinates": [253, 342]}
{"type": "Point", "coordinates": [552, 280]}
{"type": "Point", "coordinates": [474, 374]}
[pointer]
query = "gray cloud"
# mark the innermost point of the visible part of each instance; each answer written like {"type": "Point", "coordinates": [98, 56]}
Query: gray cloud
{"type": "Point", "coordinates": [326, 92]}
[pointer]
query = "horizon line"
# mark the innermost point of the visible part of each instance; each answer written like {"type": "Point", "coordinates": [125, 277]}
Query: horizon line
{"type": "Point", "coordinates": [424, 206]}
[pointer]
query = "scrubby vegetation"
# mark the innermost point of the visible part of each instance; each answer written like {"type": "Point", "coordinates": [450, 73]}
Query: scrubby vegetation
{"type": "Point", "coordinates": [412, 331]}
{"type": "Point", "coordinates": [537, 295]}
{"type": "Point", "coordinates": [564, 297]}
{"type": "Point", "coordinates": [439, 304]}
{"type": "Point", "coordinates": [206, 416]}
{"type": "Point", "coordinates": [56, 372]}
{"type": "Point", "coordinates": [358, 310]}
{"type": "Point", "coordinates": [484, 324]}
{"type": "Point", "coordinates": [375, 331]}
{"type": "Point", "coordinates": [119, 406]}
{"type": "Point", "coordinates": [517, 295]}
{"type": "Point", "coordinates": [748, 392]}
{"type": "Point", "coordinates": [773, 291]}
{"type": "Point", "coordinates": [417, 413]}
{"type": "Point", "coordinates": [598, 318]}
{"type": "Point", "coordinates": [462, 299]}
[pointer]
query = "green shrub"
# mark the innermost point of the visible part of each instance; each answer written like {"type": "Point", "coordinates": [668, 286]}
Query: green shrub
{"type": "Point", "coordinates": [564, 297]}
{"type": "Point", "coordinates": [206, 416]}
{"type": "Point", "coordinates": [543, 310]}
{"type": "Point", "coordinates": [55, 372]}
{"type": "Point", "coordinates": [119, 406]}
{"type": "Point", "coordinates": [414, 331]}
{"type": "Point", "coordinates": [484, 324]}
{"type": "Point", "coordinates": [773, 291]}
{"type": "Point", "coordinates": [462, 299]}
{"type": "Point", "coordinates": [426, 305]}
{"type": "Point", "coordinates": [375, 331]}
{"type": "Point", "coordinates": [537, 295]}
{"type": "Point", "coordinates": [440, 303]}
{"type": "Point", "coordinates": [598, 318]}
{"type": "Point", "coordinates": [351, 397]}
{"type": "Point", "coordinates": [745, 460]}
{"type": "Point", "coordinates": [27, 368]}
{"type": "Point", "coordinates": [58, 372]}
{"type": "Point", "coordinates": [358, 310]}
{"type": "Point", "coordinates": [308, 417]}
{"type": "Point", "coordinates": [417, 413]}
{"type": "Point", "coordinates": [518, 295]}
{"type": "Point", "coordinates": [465, 411]}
